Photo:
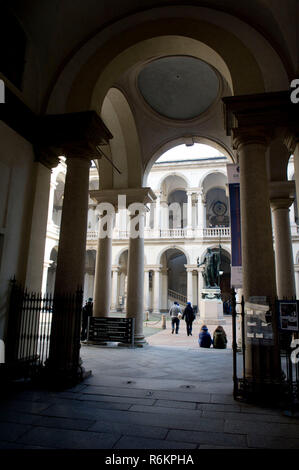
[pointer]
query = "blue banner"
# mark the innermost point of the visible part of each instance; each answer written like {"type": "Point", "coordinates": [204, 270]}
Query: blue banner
{"type": "Point", "coordinates": [233, 173]}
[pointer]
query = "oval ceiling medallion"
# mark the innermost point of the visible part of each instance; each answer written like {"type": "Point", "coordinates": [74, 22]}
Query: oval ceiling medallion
{"type": "Point", "coordinates": [178, 87]}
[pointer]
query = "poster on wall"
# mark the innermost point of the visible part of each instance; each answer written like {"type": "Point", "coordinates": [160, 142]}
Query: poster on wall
{"type": "Point", "coordinates": [258, 324]}
{"type": "Point", "coordinates": [288, 315]}
{"type": "Point", "coordinates": [233, 176]}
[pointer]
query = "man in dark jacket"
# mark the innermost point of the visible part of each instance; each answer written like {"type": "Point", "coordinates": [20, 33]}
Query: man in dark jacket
{"type": "Point", "coordinates": [188, 316]}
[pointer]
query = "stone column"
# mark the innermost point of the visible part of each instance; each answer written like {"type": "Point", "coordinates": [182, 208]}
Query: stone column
{"type": "Point", "coordinates": [73, 229]}
{"type": "Point", "coordinates": [64, 356]}
{"type": "Point", "coordinates": [102, 287]}
{"type": "Point", "coordinates": [189, 210]}
{"type": "Point", "coordinates": [38, 227]}
{"type": "Point", "coordinates": [200, 280]}
{"type": "Point", "coordinates": [135, 298]}
{"type": "Point", "coordinates": [284, 265]}
{"type": "Point", "coordinates": [47, 264]}
{"type": "Point", "coordinates": [296, 167]}
{"type": "Point", "coordinates": [200, 211]}
{"type": "Point", "coordinates": [114, 297]}
{"type": "Point", "coordinates": [146, 289]}
{"type": "Point", "coordinates": [262, 362]}
{"type": "Point", "coordinates": [157, 219]}
{"type": "Point", "coordinates": [189, 285]}
{"type": "Point", "coordinates": [156, 289]}
{"type": "Point", "coordinates": [164, 296]}
{"type": "Point", "coordinates": [53, 185]}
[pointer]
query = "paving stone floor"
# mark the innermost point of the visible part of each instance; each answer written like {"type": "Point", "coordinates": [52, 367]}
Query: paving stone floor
{"type": "Point", "coordinates": [167, 396]}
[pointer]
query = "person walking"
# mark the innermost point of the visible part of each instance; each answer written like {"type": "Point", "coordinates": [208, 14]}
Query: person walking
{"type": "Point", "coordinates": [189, 317]}
{"type": "Point", "coordinates": [176, 314]}
{"type": "Point", "coordinates": [86, 312]}
{"type": "Point", "coordinates": [219, 338]}
{"type": "Point", "coordinates": [204, 338]}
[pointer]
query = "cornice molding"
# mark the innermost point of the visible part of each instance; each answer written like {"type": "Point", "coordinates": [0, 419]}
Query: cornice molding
{"type": "Point", "coordinates": [261, 117]}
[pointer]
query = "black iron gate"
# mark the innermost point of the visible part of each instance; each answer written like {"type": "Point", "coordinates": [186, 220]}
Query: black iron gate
{"type": "Point", "coordinates": [289, 359]}
{"type": "Point", "coordinates": [30, 327]}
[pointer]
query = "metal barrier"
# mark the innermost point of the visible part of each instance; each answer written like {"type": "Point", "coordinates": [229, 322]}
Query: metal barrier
{"type": "Point", "coordinates": [30, 329]}
{"type": "Point", "coordinates": [288, 385]}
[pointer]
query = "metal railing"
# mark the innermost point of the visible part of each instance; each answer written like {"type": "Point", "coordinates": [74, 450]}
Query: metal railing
{"type": "Point", "coordinates": [284, 391]}
{"type": "Point", "coordinates": [177, 296]}
{"type": "Point", "coordinates": [30, 334]}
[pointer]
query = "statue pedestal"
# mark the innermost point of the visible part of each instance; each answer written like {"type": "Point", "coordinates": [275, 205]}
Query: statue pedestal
{"type": "Point", "coordinates": [211, 307]}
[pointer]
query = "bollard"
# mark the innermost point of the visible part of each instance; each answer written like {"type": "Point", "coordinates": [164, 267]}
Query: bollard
{"type": "Point", "coordinates": [164, 321]}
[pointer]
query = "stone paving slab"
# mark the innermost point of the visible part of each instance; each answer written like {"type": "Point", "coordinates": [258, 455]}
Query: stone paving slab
{"type": "Point", "coordinates": [10, 432]}
{"type": "Point", "coordinates": [115, 399]}
{"type": "Point", "coordinates": [153, 432]}
{"type": "Point", "coordinates": [175, 404]}
{"type": "Point", "coordinates": [249, 417]}
{"type": "Point", "coordinates": [127, 442]}
{"type": "Point", "coordinates": [64, 423]}
{"type": "Point", "coordinates": [187, 413]}
{"type": "Point", "coordinates": [203, 437]}
{"type": "Point", "coordinates": [263, 428]}
{"type": "Point", "coordinates": [259, 441]}
{"type": "Point", "coordinates": [68, 439]}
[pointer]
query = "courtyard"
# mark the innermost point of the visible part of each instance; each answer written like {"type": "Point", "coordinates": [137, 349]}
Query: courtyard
{"type": "Point", "coordinates": [170, 394]}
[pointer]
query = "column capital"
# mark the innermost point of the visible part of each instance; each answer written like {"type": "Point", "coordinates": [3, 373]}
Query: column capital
{"type": "Point", "coordinates": [261, 115]}
{"type": "Point", "coordinates": [155, 267]}
{"type": "Point", "coordinates": [46, 155]}
{"type": "Point", "coordinates": [282, 190]}
{"type": "Point", "coordinates": [241, 137]}
{"type": "Point", "coordinates": [200, 269]}
{"type": "Point", "coordinates": [123, 198]}
{"type": "Point", "coordinates": [291, 139]}
{"type": "Point", "coordinates": [190, 267]}
{"type": "Point", "coordinates": [115, 269]}
{"type": "Point", "coordinates": [281, 203]}
{"type": "Point", "coordinates": [78, 135]}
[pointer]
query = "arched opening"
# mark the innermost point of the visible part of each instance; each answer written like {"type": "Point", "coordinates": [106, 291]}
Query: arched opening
{"type": "Point", "coordinates": [52, 271]}
{"type": "Point", "coordinates": [174, 277]}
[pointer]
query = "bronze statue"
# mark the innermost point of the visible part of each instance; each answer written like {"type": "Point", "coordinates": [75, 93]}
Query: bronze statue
{"type": "Point", "coordinates": [212, 267]}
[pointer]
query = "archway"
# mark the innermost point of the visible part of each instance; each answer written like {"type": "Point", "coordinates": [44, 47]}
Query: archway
{"type": "Point", "coordinates": [174, 277]}
{"type": "Point", "coordinates": [52, 271]}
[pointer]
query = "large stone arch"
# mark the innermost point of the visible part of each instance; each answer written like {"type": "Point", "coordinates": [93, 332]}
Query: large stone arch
{"type": "Point", "coordinates": [121, 252]}
{"type": "Point", "coordinates": [172, 247]}
{"type": "Point", "coordinates": [124, 147]}
{"type": "Point", "coordinates": [218, 145]}
{"type": "Point", "coordinates": [173, 173]}
{"type": "Point", "coordinates": [92, 60]}
{"type": "Point", "coordinates": [209, 173]}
